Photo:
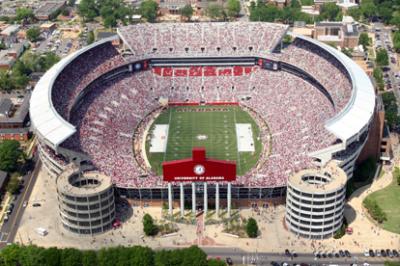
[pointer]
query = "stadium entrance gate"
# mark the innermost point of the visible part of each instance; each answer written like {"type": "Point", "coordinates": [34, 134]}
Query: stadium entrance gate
{"type": "Point", "coordinates": [199, 171]}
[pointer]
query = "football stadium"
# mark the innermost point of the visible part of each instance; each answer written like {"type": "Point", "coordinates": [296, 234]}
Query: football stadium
{"type": "Point", "coordinates": [210, 115]}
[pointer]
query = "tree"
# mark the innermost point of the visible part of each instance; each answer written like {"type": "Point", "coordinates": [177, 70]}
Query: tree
{"type": "Point", "coordinates": [51, 256]}
{"type": "Point", "coordinates": [65, 12]}
{"type": "Point", "coordinates": [71, 257]}
{"type": "Point", "coordinates": [364, 40]}
{"type": "Point", "coordinates": [33, 34]}
{"type": "Point", "coordinates": [88, 9]}
{"type": "Point", "coordinates": [148, 10]}
{"type": "Point", "coordinates": [374, 210]}
{"type": "Point", "coordinates": [354, 12]}
{"type": "Point", "coordinates": [10, 154]}
{"type": "Point", "coordinates": [6, 83]}
{"type": "Point", "coordinates": [396, 19]}
{"type": "Point", "coordinates": [149, 228]}
{"type": "Point", "coordinates": [382, 58]}
{"type": "Point", "coordinates": [215, 11]}
{"type": "Point", "coordinates": [295, 4]}
{"type": "Point", "coordinates": [233, 8]}
{"type": "Point", "coordinates": [252, 228]}
{"type": "Point", "coordinates": [265, 12]}
{"type": "Point", "coordinates": [71, 2]}
{"type": "Point", "coordinates": [368, 9]}
{"type": "Point", "coordinates": [186, 11]}
{"type": "Point", "coordinates": [194, 256]}
{"type": "Point", "coordinates": [330, 12]}
{"type": "Point", "coordinates": [24, 14]}
{"type": "Point", "coordinates": [90, 37]}
{"type": "Point", "coordinates": [348, 52]}
{"type": "Point", "coordinates": [378, 76]}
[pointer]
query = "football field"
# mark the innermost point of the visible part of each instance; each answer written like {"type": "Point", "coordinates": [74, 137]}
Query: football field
{"type": "Point", "coordinates": [212, 127]}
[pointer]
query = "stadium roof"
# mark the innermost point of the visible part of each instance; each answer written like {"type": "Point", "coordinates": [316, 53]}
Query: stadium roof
{"type": "Point", "coordinates": [48, 124]}
{"type": "Point", "coordinates": [360, 109]}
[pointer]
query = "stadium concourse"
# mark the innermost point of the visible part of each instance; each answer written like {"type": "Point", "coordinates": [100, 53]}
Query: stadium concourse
{"type": "Point", "coordinates": [313, 104]}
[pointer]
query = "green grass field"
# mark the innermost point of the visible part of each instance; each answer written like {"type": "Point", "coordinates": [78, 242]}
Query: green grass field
{"type": "Point", "coordinates": [217, 123]}
{"type": "Point", "coordinates": [389, 200]}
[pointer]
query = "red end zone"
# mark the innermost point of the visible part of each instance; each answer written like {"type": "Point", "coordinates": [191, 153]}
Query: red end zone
{"type": "Point", "coordinates": [199, 169]}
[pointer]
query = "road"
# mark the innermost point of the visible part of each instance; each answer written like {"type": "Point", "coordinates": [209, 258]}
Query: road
{"type": "Point", "coordinates": [9, 229]}
{"type": "Point", "coordinates": [240, 257]}
{"type": "Point", "coordinates": [385, 41]}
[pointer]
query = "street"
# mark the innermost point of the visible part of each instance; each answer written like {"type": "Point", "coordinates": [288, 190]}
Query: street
{"type": "Point", "coordinates": [9, 228]}
{"type": "Point", "coordinates": [240, 257]}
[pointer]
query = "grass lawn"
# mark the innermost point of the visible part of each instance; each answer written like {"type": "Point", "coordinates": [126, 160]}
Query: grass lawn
{"type": "Point", "coordinates": [389, 200]}
{"type": "Point", "coordinates": [217, 123]}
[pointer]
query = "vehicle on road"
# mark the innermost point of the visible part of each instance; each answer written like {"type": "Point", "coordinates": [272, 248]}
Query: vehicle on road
{"type": "Point", "coordinates": [347, 253]}
{"type": "Point", "coordinates": [229, 261]}
{"type": "Point", "coordinates": [25, 204]}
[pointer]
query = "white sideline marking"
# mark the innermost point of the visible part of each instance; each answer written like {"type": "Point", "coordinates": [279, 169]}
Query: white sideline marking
{"type": "Point", "coordinates": [159, 138]}
{"type": "Point", "coordinates": [245, 140]}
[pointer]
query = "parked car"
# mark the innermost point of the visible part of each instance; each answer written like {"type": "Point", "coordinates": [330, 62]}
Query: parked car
{"type": "Point", "coordinates": [347, 253]}
{"type": "Point", "coordinates": [341, 253]}
{"type": "Point", "coordinates": [395, 253]}
{"type": "Point", "coordinates": [36, 204]}
{"type": "Point", "coordinates": [229, 261]}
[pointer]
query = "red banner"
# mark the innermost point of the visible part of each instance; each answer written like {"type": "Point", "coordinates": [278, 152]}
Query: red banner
{"type": "Point", "coordinates": [199, 169]}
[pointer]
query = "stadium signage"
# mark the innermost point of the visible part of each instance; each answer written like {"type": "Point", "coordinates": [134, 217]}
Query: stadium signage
{"type": "Point", "coordinates": [199, 169]}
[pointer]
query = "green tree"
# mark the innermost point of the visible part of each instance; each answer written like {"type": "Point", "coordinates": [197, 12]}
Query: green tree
{"type": "Point", "coordinates": [194, 256]}
{"type": "Point", "coordinates": [215, 11]}
{"type": "Point", "coordinates": [89, 258]}
{"type": "Point", "coordinates": [2, 46]}
{"type": "Point", "coordinates": [295, 4]}
{"type": "Point", "coordinates": [331, 12]}
{"type": "Point", "coordinates": [13, 185]}
{"type": "Point", "coordinates": [348, 52]}
{"type": "Point", "coordinates": [33, 34]}
{"type": "Point", "coordinates": [88, 9]}
{"type": "Point", "coordinates": [65, 12]}
{"type": "Point", "coordinates": [265, 12]}
{"type": "Point", "coordinates": [364, 40]}
{"type": "Point", "coordinates": [71, 257]}
{"type": "Point", "coordinates": [10, 255]}
{"type": "Point", "coordinates": [71, 2]}
{"type": "Point", "coordinates": [355, 12]}
{"type": "Point", "coordinates": [396, 19]}
{"type": "Point", "coordinates": [51, 257]}
{"type": "Point", "coordinates": [90, 37]}
{"type": "Point", "coordinates": [10, 155]}
{"type": "Point", "coordinates": [186, 11]}
{"type": "Point", "coordinates": [24, 15]}
{"type": "Point", "coordinates": [396, 41]}
{"type": "Point", "coordinates": [6, 83]}
{"type": "Point", "coordinates": [252, 228]}
{"type": "Point", "coordinates": [142, 256]}
{"type": "Point", "coordinates": [391, 109]}
{"type": "Point", "coordinates": [378, 76]}
{"type": "Point", "coordinates": [382, 57]}
{"type": "Point", "coordinates": [148, 10]}
{"type": "Point", "coordinates": [149, 228]}
{"type": "Point", "coordinates": [233, 8]}
{"type": "Point", "coordinates": [368, 9]}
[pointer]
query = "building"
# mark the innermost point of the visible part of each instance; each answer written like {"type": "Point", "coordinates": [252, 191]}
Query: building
{"type": "Point", "coordinates": [339, 33]}
{"type": "Point", "coordinates": [237, 59]}
{"type": "Point", "coordinates": [48, 10]}
{"type": "Point", "coordinates": [86, 201]}
{"type": "Point", "coordinates": [4, 177]}
{"type": "Point", "coordinates": [9, 34]}
{"type": "Point", "coordinates": [14, 118]}
{"type": "Point", "coordinates": [315, 201]}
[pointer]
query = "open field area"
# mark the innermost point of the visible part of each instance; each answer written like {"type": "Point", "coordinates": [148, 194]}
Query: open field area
{"type": "Point", "coordinates": [212, 127]}
{"type": "Point", "coordinates": [389, 200]}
